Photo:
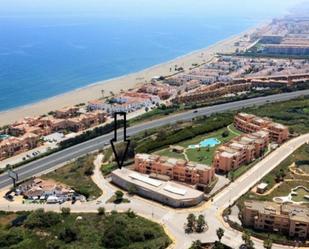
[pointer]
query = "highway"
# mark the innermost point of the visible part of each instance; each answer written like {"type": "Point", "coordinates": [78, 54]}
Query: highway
{"type": "Point", "coordinates": [48, 162]}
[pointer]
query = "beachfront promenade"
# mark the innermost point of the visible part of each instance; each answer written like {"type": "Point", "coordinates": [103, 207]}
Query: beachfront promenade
{"type": "Point", "coordinates": [47, 163]}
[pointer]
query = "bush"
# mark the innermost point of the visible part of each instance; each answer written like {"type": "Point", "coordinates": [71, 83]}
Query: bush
{"type": "Point", "coordinates": [65, 211]}
{"type": "Point", "coordinates": [68, 234]}
{"type": "Point", "coordinates": [101, 211]}
{"type": "Point", "coordinates": [41, 219]}
{"type": "Point", "coordinates": [11, 237]}
{"type": "Point", "coordinates": [226, 133]}
{"type": "Point", "coordinates": [119, 196]}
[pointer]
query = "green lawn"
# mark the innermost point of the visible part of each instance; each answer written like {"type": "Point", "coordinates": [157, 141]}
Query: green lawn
{"type": "Point", "coordinates": [283, 190]}
{"type": "Point", "coordinates": [167, 152]}
{"type": "Point", "coordinates": [234, 130]}
{"type": "Point", "coordinates": [300, 195]}
{"type": "Point", "coordinates": [46, 230]}
{"type": "Point", "coordinates": [77, 175]}
{"type": "Point", "coordinates": [200, 155]}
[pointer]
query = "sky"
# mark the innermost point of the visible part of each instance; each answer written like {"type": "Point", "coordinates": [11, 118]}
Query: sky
{"type": "Point", "coordinates": [140, 8]}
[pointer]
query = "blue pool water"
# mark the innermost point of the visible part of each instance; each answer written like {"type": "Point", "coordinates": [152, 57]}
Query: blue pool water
{"type": "Point", "coordinates": [210, 142]}
{"type": "Point", "coordinates": [3, 136]}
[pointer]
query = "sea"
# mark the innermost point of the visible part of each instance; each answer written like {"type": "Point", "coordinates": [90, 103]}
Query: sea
{"type": "Point", "coordinates": [47, 48]}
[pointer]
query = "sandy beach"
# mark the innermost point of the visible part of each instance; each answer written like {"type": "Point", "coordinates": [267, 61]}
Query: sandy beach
{"type": "Point", "coordinates": [94, 91]}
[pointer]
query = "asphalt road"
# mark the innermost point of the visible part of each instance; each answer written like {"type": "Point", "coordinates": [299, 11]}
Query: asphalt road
{"type": "Point", "coordinates": [174, 219]}
{"type": "Point", "coordinates": [60, 157]}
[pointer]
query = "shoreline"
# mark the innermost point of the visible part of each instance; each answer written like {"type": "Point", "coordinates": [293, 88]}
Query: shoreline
{"type": "Point", "coordinates": [125, 82]}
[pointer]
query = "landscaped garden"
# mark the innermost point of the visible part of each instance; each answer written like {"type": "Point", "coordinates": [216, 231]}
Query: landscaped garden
{"type": "Point", "coordinates": [300, 194]}
{"type": "Point", "coordinates": [196, 151]}
{"type": "Point", "coordinates": [281, 180]}
{"type": "Point", "coordinates": [49, 230]}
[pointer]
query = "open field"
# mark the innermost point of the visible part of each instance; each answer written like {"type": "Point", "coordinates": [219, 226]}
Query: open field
{"type": "Point", "coordinates": [46, 230]}
{"type": "Point", "coordinates": [77, 175]}
{"type": "Point", "coordinates": [301, 192]}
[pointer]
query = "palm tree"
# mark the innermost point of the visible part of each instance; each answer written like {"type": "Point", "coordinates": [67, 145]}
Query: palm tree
{"type": "Point", "coordinates": [200, 223]}
{"type": "Point", "coordinates": [268, 244]}
{"type": "Point", "coordinates": [191, 221]}
{"type": "Point", "coordinates": [220, 233]}
{"type": "Point", "coordinates": [246, 237]}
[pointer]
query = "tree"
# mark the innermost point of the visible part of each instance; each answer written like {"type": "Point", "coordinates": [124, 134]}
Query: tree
{"type": "Point", "coordinates": [119, 196]}
{"type": "Point", "coordinates": [218, 245]}
{"type": "Point", "coordinates": [226, 133]}
{"type": "Point", "coordinates": [163, 107]}
{"type": "Point", "coordinates": [197, 244]}
{"type": "Point", "coordinates": [246, 237]}
{"type": "Point", "coordinates": [268, 244]}
{"type": "Point", "coordinates": [220, 233]}
{"type": "Point", "coordinates": [200, 223]}
{"type": "Point", "coordinates": [101, 211]}
{"type": "Point", "coordinates": [191, 222]}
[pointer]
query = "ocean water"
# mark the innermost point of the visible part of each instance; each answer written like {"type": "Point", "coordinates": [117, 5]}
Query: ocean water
{"type": "Point", "coordinates": [45, 53]}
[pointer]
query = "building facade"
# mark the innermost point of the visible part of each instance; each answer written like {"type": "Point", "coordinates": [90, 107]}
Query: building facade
{"type": "Point", "coordinates": [175, 169]}
{"type": "Point", "coordinates": [288, 219]}
{"type": "Point", "coordinates": [250, 123]}
{"type": "Point", "coordinates": [169, 193]}
{"type": "Point", "coordinates": [241, 150]}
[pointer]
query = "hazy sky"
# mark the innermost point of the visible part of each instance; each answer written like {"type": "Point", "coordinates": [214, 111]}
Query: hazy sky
{"type": "Point", "coordinates": [142, 7]}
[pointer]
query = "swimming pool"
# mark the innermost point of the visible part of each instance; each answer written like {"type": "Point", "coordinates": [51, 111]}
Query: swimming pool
{"type": "Point", "coordinates": [3, 136]}
{"type": "Point", "coordinates": [209, 142]}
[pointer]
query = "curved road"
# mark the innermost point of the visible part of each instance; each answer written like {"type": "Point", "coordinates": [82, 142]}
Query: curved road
{"type": "Point", "coordinates": [63, 156]}
{"type": "Point", "coordinates": [174, 219]}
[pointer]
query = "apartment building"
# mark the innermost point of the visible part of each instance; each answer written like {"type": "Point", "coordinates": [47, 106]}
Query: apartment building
{"type": "Point", "coordinates": [212, 91]}
{"type": "Point", "coordinates": [66, 112]}
{"type": "Point", "coordinates": [78, 123]}
{"type": "Point", "coordinates": [174, 169]}
{"type": "Point", "coordinates": [163, 91]}
{"type": "Point", "coordinates": [250, 123]}
{"type": "Point", "coordinates": [287, 49]}
{"type": "Point", "coordinates": [14, 145]}
{"type": "Point", "coordinates": [241, 150]}
{"type": "Point", "coordinates": [288, 219]}
{"type": "Point", "coordinates": [25, 135]}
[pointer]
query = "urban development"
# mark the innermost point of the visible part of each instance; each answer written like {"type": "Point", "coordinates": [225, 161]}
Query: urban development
{"type": "Point", "coordinates": [218, 157]}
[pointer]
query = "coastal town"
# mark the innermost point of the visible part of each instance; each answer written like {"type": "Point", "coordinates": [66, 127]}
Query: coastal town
{"type": "Point", "coordinates": [236, 177]}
